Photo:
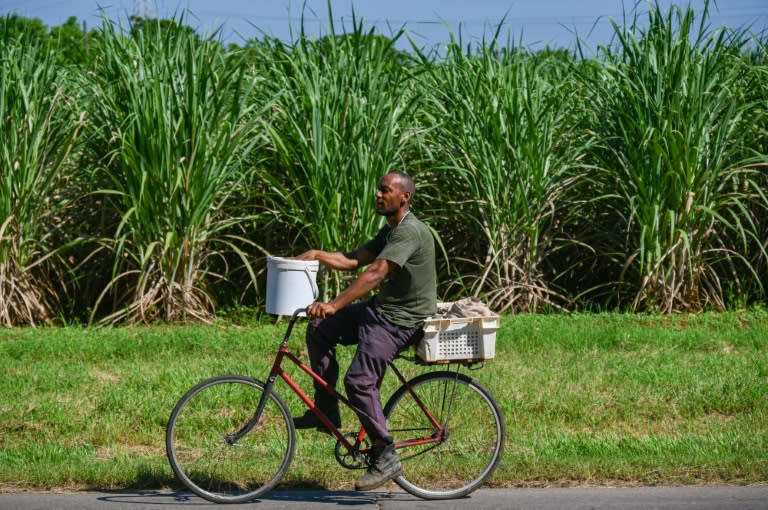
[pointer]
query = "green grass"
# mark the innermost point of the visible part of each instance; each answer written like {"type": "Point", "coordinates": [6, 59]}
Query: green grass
{"type": "Point", "coordinates": [587, 399]}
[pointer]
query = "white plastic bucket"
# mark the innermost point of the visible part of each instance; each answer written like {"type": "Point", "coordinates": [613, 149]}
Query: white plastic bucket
{"type": "Point", "coordinates": [291, 284]}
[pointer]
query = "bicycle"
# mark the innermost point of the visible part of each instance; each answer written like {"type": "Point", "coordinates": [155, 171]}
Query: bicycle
{"type": "Point", "coordinates": [231, 438]}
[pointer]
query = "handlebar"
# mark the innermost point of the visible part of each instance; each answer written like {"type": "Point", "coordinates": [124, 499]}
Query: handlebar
{"type": "Point", "coordinates": [296, 314]}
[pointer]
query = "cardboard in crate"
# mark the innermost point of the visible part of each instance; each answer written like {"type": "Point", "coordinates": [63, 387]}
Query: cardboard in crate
{"type": "Point", "coordinates": [459, 338]}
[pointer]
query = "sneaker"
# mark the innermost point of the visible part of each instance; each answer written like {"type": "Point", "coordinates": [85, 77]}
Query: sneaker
{"type": "Point", "coordinates": [385, 467]}
{"type": "Point", "coordinates": [310, 421]}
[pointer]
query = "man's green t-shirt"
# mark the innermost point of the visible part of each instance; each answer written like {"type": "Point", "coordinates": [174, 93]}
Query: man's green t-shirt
{"type": "Point", "coordinates": [409, 293]}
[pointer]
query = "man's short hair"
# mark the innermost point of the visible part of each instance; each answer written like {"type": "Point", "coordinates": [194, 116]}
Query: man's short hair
{"type": "Point", "coordinates": [405, 181]}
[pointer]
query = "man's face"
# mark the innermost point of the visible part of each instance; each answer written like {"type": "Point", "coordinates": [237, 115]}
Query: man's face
{"type": "Point", "coordinates": [390, 196]}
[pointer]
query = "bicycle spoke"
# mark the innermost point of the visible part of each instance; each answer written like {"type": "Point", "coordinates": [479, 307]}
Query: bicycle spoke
{"type": "Point", "coordinates": [216, 450]}
{"type": "Point", "coordinates": [471, 443]}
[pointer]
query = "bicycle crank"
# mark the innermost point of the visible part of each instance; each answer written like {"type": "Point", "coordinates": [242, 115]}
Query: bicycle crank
{"type": "Point", "coordinates": [354, 459]}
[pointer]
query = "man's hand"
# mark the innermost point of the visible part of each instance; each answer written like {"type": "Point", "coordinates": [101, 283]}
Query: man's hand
{"type": "Point", "coordinates": [307, 255]}
{"type": "Point", "coordinates": [320, 310]}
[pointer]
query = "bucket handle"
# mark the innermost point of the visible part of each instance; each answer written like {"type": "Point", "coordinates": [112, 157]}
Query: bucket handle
{"type": "Point", "coordinates": [313, 283]}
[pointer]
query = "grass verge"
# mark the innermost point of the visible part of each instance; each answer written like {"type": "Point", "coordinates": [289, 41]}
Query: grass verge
{"type": "Point", "coordinates": [589, 399]}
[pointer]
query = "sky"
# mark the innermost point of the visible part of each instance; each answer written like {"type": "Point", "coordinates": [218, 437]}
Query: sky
{"type": "Point", "coordinates": [533, 23]}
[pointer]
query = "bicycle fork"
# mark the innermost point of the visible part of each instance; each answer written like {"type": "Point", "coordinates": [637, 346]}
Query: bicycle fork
{"type": "Point", "coordinates": [233, 438]}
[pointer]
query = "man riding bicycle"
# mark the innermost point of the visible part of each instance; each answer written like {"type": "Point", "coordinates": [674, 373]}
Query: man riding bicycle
{"type": "Point", "coordinates": [401, 263]}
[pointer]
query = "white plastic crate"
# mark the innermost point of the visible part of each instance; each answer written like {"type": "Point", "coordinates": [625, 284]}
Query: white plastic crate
{"type": "Point", "coordinates": [459, 339]}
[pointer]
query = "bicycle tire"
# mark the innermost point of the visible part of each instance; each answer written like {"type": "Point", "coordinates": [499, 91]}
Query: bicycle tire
{"type": "Point", "coordinates": [217, 469]}
{"type": "Point", "coordinates": [475, 435]}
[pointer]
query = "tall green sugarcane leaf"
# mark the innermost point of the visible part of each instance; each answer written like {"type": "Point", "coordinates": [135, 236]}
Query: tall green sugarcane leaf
{"type": "Point", "coordinates": [38, 130]}
{"type": "Point", "coordinates": [675, 152]}
{"type": "Point", "coordinates": [176, 120]}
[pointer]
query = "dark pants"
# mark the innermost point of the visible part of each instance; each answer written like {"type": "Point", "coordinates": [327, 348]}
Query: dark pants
{"type": "Point", "coordinates": [378, 342]}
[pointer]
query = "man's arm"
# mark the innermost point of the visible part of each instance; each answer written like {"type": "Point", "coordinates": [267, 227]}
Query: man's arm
{"type": "Point", "coordinates": [338, 260]}
{"type": "Point", "coordinates": [363, 284]}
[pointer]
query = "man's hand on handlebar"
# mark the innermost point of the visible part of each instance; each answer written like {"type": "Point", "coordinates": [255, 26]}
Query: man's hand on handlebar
{"type": "Point", "coordinates": [320, 310]}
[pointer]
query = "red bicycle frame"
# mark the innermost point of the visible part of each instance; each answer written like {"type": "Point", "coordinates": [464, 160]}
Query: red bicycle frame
{"type": "Point", "coordinates": [277, 370]}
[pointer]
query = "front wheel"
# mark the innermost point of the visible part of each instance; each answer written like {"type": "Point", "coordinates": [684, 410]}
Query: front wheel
{"type": "Point", "coordinates": [217, 449]}
{"type": "Point", "coordinates": [469, 450]}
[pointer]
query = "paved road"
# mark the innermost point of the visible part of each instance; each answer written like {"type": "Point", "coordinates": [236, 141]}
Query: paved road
{"type": "Point", "coordinates": [643, 498]}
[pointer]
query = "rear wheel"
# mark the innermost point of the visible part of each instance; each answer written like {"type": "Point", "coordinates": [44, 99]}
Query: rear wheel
{"type": "Point", "coordinates": [207, 451]}
{"type": "Point", "coordinates": [472, 443]}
